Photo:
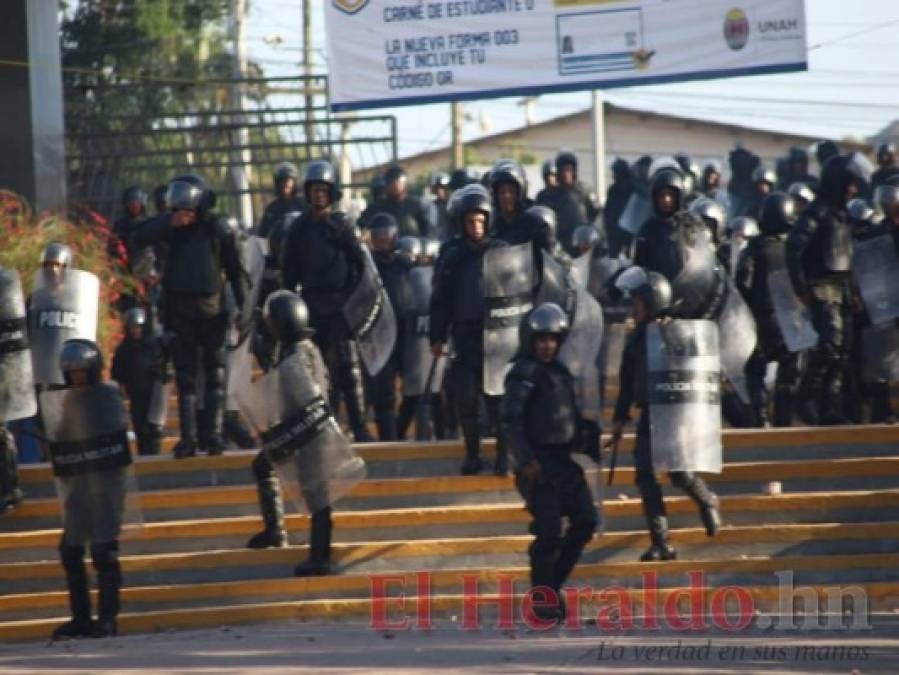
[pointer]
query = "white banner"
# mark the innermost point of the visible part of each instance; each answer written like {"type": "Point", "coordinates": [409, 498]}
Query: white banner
{"type": "Point", "coordinates": [391, 52]}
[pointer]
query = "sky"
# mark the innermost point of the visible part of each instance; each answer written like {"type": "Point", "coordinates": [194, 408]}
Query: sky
{"type": "Point", "coordinates": [851, 89]}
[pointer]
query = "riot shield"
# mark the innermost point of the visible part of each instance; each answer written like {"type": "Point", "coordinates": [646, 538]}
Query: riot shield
{"type": "Point", "coordinates": [736, 325]}
{"type": "Point", "coordinates": [239, 358]}
{"type": "Point", "coordinates": [86, 431]}
{"type": "Point", "coordinates": [556, 284]}
{"type": "Point", "coordinates": [16, 380]}
{"type": "Point", "coordinates": [370, 317]}
{"type": "Point", "coordinates": [158, 412]}
{"type": "Point", "coordinates": [581, 268]}
{"type": "Point", "coordinates": [508, 274]}
{"type": "Point", "coordinates": [875, 266]}
{"type": "Point", "coordinates": [594, 477]}
{"type": "Point", "coordinates": [60, 312]}
{"type": "Point", "coordinates": [286, 408]}
{"type": "Point", "coordinates": [417, 344]}
{"type": "Point", "coordinates": [580, 352]}
{"type": "Point", "coordinates": [614, 338]}
{"type": "Point", "coordinates": [635, 214]}
{"type": "Point", "coordinates": [793, 318]}
{"type": "Point", "coordinates": [880, 353]}
{"type": "Point", "coordinates": [684, 395]}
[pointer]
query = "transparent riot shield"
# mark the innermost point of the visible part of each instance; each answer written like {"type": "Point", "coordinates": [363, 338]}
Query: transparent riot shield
{"type": "Point", "coordinates": [416, 355]}
{"type": "Point", "coordinates": [16, 379]}
{"type": "Point", "coordinates": [508, 274]}
{"type": "Point", "coordinates": [793, 318]}
{"type": "Point", "coordinates": [371, 319]}
{"type": "Point", "coordinates": [580, 352]}
{"type": "Point", "coordinates": [287, 410]}
{"type": "Point", "coordinates": [736, 326]}
{"type": "Point", "coordinates": [875, 266]}
{"type": "Point", "coordinates": [636, 213]}
{"type": "Point", "coordinates": [239, 357]}
{"type": "Point", "coordinates": [60, 312]}
{"type": "Point", "coordinates": [880, 353]}
{"type": "Point", "coordinates": [86, 431]}
{"type": "Point", "coordinates": [684, 395]}
{"type": "Point", "coordinates": [158, 412]}
{"type": "Point", "coordinates": [593, 475]}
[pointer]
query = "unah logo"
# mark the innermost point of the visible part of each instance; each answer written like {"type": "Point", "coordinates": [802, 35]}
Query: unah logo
{"type": "Point", "coordinates": [349, 6]}
{"type": "Point", "coordinates": [736, 29]}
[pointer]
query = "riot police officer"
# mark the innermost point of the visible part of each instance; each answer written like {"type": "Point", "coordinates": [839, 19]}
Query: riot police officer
{"type": "Point", "coordinates": [439, 216]}
{"type": "Point", "coordinates": [819, 259]}
{"type": "Point", "coordinates": [409, 212]}
{"type": "Point", "coordinates": [287, 199]}
{"type": "Point", "coordinates": [542, 425]}
{"type": "Point", "coordinates": [652, 297]}
{"type": "Point", "coordinates": [394, 270]}
{"type": "Point", "coordinates": [134, 204]}
{"type": "Point", "coordinates": [323, 257]}
{"type": "Point", "coordinates": [201, 255]}
{"type": "Point", "coordinates": [458, 310]}
{"type": "Point", "coordinates": [740, 188]}
{"type": "Point", "coordinates": [795, 170]}
{"type": "Point", "coordinates": [886, 162]}
{"type": "Point", "coordinates": [763, 256]}
{"type": "Point", "coordinates": [573, 204]}
{"type": "Point", "coordinates": [550, 180]}
{"type": "Point", "coordinates": [617, 196]}
{"type": "Point", "coordinates": [763, 182]}
{"type": "Point", "coordinates": [288, 319]}
{"type": "Point", "coordinates": [713, 214]}
{"type": "Point", "coordinates": [509, 187]}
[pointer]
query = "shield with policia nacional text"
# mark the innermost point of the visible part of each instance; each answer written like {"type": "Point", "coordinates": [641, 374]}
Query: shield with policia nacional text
{"type": "Point", "coordinates": [86, 432]}
{"type": "Point", "coordinates": [300, 437]}
{"type": "Point", "coordinates": [371, 318]}
{"type": "Point", "coordinates": [684, 382]}
{"type": "Point", "coordinates": [416, 355]}
{"type": "Point", "coordinates": [875, 267]}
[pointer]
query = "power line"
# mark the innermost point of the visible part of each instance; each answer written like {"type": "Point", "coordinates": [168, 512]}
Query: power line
{"type": "Point", "coordinates": [863, 31]}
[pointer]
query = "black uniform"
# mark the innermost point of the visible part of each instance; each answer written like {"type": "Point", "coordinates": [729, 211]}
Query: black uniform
{"type": "Point", "coordinates": [763, 255]}
{"type": "Point", "coordinates": [325, 258]}
{"type": "Point", "coordinates": [634, 390]}
{"type": "Point", "coordinates": [10, 494]}
{"type": "Point", "coordinates": [541, 421]}
{"type": "Point", "coordinates": [200, 257]}
{"type": "Point", "coordinates": [618, 194]}
{"type": "Point", "coordinates": [574, 207]}
{"type": "Point", "coordinates": [457, 309]}
{"type": "Point", "coordinates": [137, 366]}
{"type": "Point", "coordinates": [819, 259]}
{"type": "Point", "coordinates": [410, 214]}
{"type": "Point", "coordinates": [394, 270]}
{"type": "Point", "coordinates": [514, 230]}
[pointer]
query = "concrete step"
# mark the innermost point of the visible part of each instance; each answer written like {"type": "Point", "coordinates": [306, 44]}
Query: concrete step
{"type": "Point", "coordinates": [486, 519]}
{"type": "Point", "coordinates": [880, 596]}
{"type": "Point", "coordinates": [717, 572]}
{"type": "Point", "coordinates": [736, 478]}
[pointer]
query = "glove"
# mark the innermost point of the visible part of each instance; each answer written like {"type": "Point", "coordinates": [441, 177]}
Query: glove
{"type": "Point", "coordinates": [590, 434]}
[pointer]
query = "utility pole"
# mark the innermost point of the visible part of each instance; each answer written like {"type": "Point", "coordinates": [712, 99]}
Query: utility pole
{"type": "Point", "coordinates": [458, 154]}
{"type": "Point", "coordinates": [599, 146]}
{"type": "Point", "coordinates": [307, 71]}
{"type": "Point", "coordinates": [242, 158]}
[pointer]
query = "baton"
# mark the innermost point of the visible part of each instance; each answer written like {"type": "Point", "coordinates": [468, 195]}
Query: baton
{"type": "Point", "coordinates": [614, 445]}
{"type": "Point", "coordinates": [422, 421]}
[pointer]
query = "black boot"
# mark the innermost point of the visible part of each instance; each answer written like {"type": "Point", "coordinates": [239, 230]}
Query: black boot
{"type": "Point", "coordinates": [699, 492]}
{"type": "Point", "coordinates": [271, 506]}
{"type": "Point", "coordinates": [10, 494]}
{"type": "Point", "coordinates": [237, 432]}
{"type": "Point", "coordinates": [386, 423]}
{"type": "Point", "coordinates": [187, 417]}
{"type": "Point", "coordinates": [319, 561]}
{"type": "Point", "coordinates": [501, 465]}
{"type": "Point", "coordinates": [881, 406]}
{"type": "Point", "coordinates": [214, 440]}
{"type": "Point", "coordinates": [659, 549]}
{"type": "Point", "coordinates": [473, 463]}
{"type": "Point", "coordinates": [109, 581]}
{"type": "Point", "coordinates": [832, 413]}
{"type": "Point", "coordinates": [783, 406]}
{"type": "Point", "coordinates": [80, 625]}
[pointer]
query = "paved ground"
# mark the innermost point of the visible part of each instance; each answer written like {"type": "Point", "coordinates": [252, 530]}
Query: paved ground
{"type": "Point", "coordinates": [348, 648]}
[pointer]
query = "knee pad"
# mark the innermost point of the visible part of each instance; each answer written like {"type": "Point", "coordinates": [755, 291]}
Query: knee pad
{"type": "Point", "coordinates": [105, 556]}
{"type": "Point", "coordinates": [215, 378]}
{"type": "Point", "coordinates": [682, 479]}
{"type": "Point", "coordinates": [581, 531]}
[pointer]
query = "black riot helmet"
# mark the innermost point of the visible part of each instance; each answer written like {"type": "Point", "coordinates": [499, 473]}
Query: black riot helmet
{"type": "Point", "coordinates": [81, 354]}
{"type": "Point", "coordinates": [283, 172]}
{"type": "Point", "coordinates": [641, 169]}
{"type": "Point", "coordinates": [57, 252]}
{"type": "Point", "coordinates": [377, 186]}
{"type": "Point", "coordinates": [321, 171]}
{"type": "Point", "coordinates": [886, 154]}
{"type": "Point", "coordinates": [439, 179]}
{"type": "Point", "coordinates": [798, 158]}
{"type": "Point", "coordinates": [651, 287]}
{"type": "Point", "coordinates": [134, 194]}
{"type": "Point", "coordinates": [470, 198]}
{"type": "Point", "coordinates": [462, 177]}
{"type": "Point", "coordinates": [840, 173]}
{"type": "Point", "coordinates": [190, 192]}
{"type": "Point", "coordinates": [287, 316]}
{"type": "Point", "coordinates": [778, 213]}
{"type": "Point", "coordinates": [385, 232]}
{"type": "Point", "coordinates": [687, 165]}
{"type": "Point", "coordinates": [548, 169]}
{"type": "Point", "coordinates": [509, 171]}
{"type": "Point", "coordinates": [886, 195]}
{"type": "Point", "coordinates": [394, 173]}
{"type": "Point", "coordinates": [621, 171]}
{"type": "Point", "coordinates": [802, 193]}
{"type": "Point", "coordinates": [584, 238]}
{"type": "Point", "coordinates": [566, 158]}
{"type": "Point", "coordinates": [136, 316]}
{"type": "Point", "coordinates": [411, 248]}
{"type": "Point", "coordinates": [667, 179]}
{"type": "Point", "coordinates": [545, 319]}
{"type": "Point", "coordinates": [859, 210]}
{"type": "Point", "coordinates": [824, 151]}
{"type": "Point", "coordinates": [544, 222]}
{"type": "Point", "coordinates": [763, 175]}
{"type": "Point", "coordinates": [712, 214]}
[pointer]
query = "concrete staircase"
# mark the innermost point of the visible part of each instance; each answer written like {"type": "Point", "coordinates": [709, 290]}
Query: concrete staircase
{"type": "Point", "coordinates": [835, 523]}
